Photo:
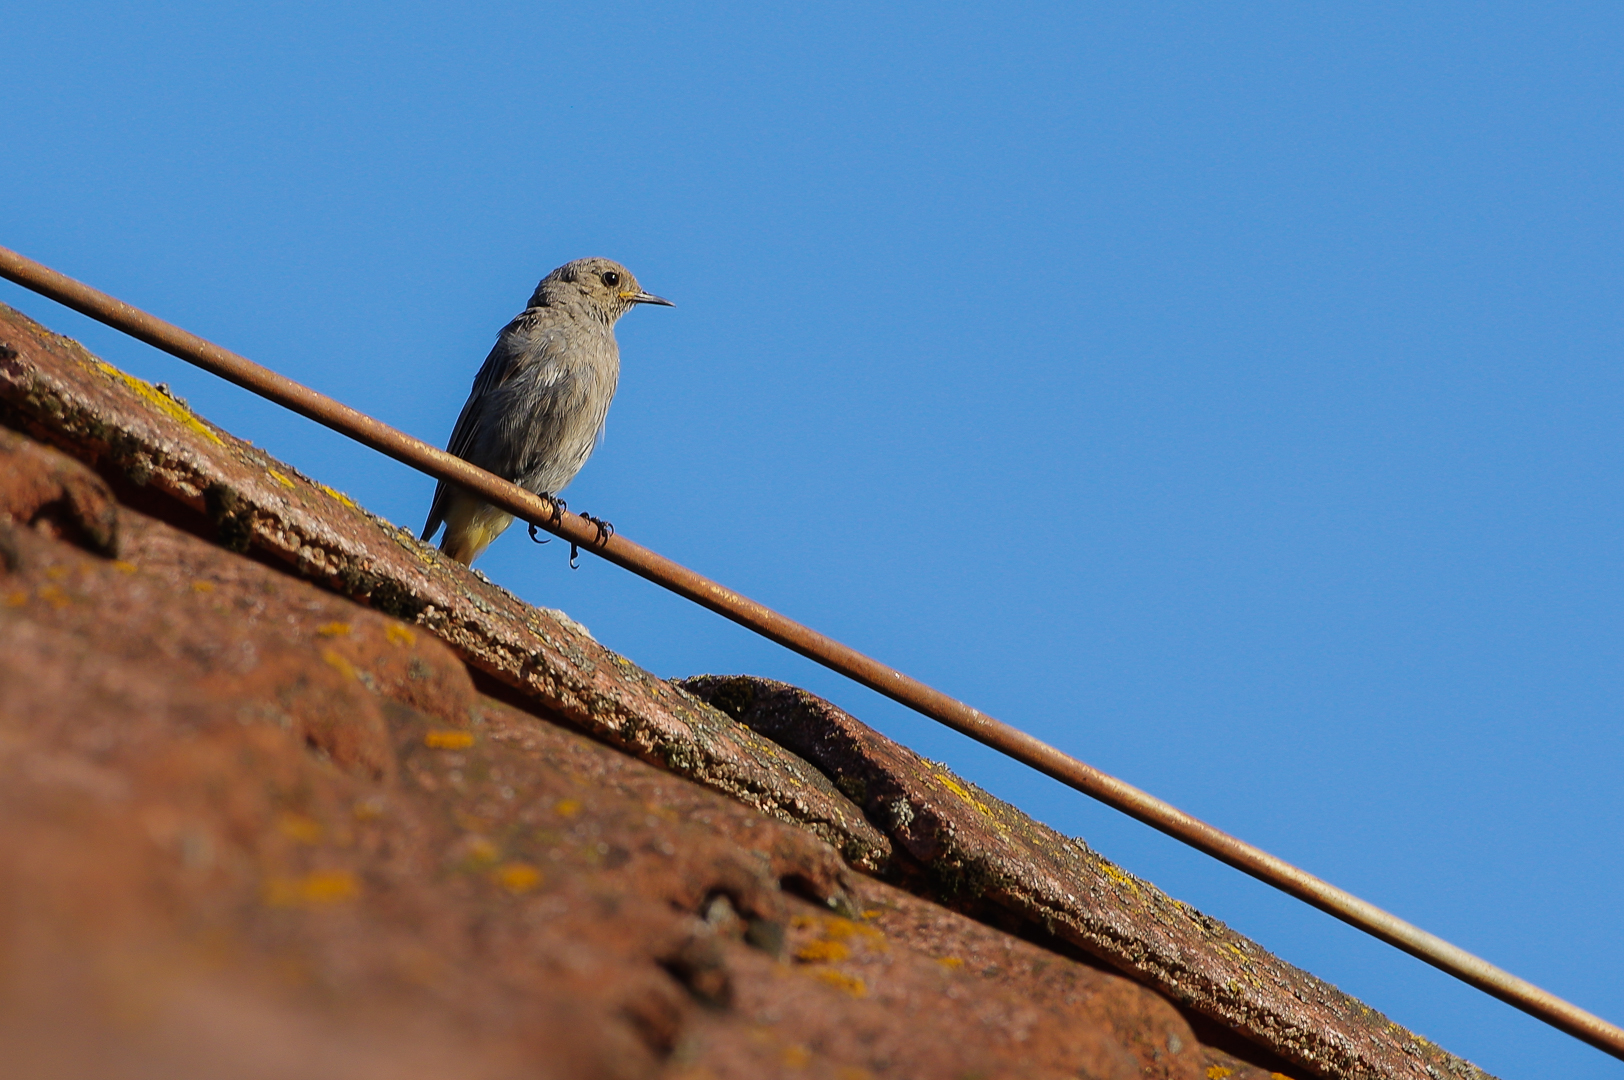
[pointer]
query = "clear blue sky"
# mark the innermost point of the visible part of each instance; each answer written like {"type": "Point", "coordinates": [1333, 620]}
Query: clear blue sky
{"type": "Point", "coordinates": [1228, 394]}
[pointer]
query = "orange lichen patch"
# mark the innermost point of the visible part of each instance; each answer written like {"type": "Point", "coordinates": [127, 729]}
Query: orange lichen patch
{"type": "Point", "coordinates": [165, 404]}
{"type": "Point", "coordinates": [202, 586]}
{"type": "Point", "coordinates": [838, 929]}
{"type": "Point", "coordinates": [796, 1056]}
{"type": "Point", "coordinates": [313, 890]}
{"type": "Point", "coordinates": [399, 635]}
{"type": "Point", "coordinates": [950, 962]}
{"type": "Point", "coordinates": [1218, 1072]}
{"type": "Point", "coordinates": [279, 478]}
{"type": "Point", "coordinates": [333, 629]}
{"type": "Point", "coordinates": [448, 740]}
{"type": "Point", "coordinates": [567, 808]}
{"type": "Point", "coordinates": [853, 1072]}
{"type": "Point", "coordinates": [517, 877]}
{"type": "Point", "coordinates": [340, 496]}
{"type": "Point", "coordinates": [823, 952]}
{"type": "Point", "coordinates": [16, 598]}
{"type": "Point", "coordinates": [299, 828]}
{"type": "Point", "coordinates": [338, 663]}
{"type": "Point", "coordinates": [56, 573]}
{"type": "Point", "coordinates": [850, 984]}
{"type": "Point", "coordinates": [54, 596]}
{"type": "Point", "coordinates": [124, 567]}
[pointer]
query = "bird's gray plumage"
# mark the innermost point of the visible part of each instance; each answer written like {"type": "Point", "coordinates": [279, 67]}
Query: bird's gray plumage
{"type": "Point", "coordinates": [538, 405]}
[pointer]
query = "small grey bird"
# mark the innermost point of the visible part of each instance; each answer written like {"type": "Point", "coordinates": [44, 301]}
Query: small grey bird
{"type": "Point", "coordinates": [538, 406]}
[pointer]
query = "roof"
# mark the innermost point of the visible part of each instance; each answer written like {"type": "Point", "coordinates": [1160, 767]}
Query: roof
{"type": "Point", "coordinates": [286, 791]}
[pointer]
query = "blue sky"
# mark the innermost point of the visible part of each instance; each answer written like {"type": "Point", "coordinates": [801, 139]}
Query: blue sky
{"type": "Point", "coordinates": [1227, 394]}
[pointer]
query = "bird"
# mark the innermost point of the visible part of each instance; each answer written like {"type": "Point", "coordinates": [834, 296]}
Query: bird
{"type": "Point", "coordinates": [538, 405]}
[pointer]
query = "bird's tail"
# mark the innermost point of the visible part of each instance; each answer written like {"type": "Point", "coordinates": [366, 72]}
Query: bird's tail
{"type": "Point", "coordinates": [442, 494]}
{"type": "Point", "coordinates": [470, 526]}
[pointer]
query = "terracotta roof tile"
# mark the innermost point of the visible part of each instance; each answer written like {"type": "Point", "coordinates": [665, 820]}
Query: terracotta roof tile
{"type": "Point", "coordinates": [329, 809]}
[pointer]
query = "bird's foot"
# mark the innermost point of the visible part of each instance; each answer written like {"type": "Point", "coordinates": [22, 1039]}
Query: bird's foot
{"type": "Point", "coordinates": [605, 530]}
{"type": "Point", "coordinates": [559, 506]}
{"type": "Point", "coordinates": [535, 538]}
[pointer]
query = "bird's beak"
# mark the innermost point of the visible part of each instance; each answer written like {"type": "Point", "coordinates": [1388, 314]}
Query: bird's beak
{"type": "Point", "coordinates": [646, 298]}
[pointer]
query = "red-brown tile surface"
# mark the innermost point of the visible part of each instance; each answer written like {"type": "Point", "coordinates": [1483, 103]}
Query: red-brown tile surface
{"type": "Point", "coordinates": [249, 809]}
{"type": "Point", "coordinates": [254, 829]}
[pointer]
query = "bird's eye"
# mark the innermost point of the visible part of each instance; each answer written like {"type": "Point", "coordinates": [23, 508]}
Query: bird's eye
{"type": "Point", "coordinates": [610, 278]}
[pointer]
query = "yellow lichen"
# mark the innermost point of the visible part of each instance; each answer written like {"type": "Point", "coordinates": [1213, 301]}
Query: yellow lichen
{"type": "Point", "coordinates": [340, 496]}
{"type": "Point", "coordinates": [482, 851]}
{"type": "Point", "coordinates": [368, 809]}
{"type": "Point", "coordinates": [448, 740]}
{"type": "Point", "coordinates": [165, 404]}
{"type": "Point", "coordinates": [796, 1056]}
{"type": "Point", "coordinates": [399, 635]}
{"type": "Point", "coordinates": [822, 952]}
{"type": "Point", "coordinates": [851, 984]}
{"type": "Point", "coordinates": [951, 784]}
{"type": "Point", "coordinates": [333, 629]}
{"type": "Point", "coordinates": [950, 962]}
{"type": "Point", "coordinates": [1217, 1072]}
{"type": "Point", "coordinates": [517, 877]}
{"type": "Point", "coordinates": [338, 663]}
{"type": "Point", "coordinates": [1117, 875]}
{"type": "Point", "coordinates": [279, 478]}
{"type": "Point", "coordinates": [567, 808]}
{"type": "Point", "coordinates": [124, 567]}
{"type": "Point", "coordinates": [54, 596]}
{"type": "Point", "coordinates": [299, 828]}
{"type": "Point", "coordinates": [202, 586]}
{"type": "Point", "coordinates": [838, 929]}
{"type": "Point", "coordinates": [320, 888]}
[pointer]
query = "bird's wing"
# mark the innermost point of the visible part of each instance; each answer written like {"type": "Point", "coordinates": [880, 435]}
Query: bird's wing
{"type": "Point", "coordinates": [511, 352]}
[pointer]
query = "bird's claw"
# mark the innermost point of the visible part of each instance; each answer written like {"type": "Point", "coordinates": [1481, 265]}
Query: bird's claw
{"type": "Point", "coordinates": [559, 506]}
{"type": "Point", "coordinates": [605, 531]}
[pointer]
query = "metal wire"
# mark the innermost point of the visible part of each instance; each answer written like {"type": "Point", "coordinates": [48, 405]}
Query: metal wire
{"type": "Point", "coordinates": [544, 513]}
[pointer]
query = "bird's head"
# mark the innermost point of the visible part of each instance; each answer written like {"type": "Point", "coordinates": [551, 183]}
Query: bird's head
{"type": "Point", "coordinates": [603, 286]}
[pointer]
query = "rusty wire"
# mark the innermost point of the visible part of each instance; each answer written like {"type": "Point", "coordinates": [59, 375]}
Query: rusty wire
{"type": "Point", "coordinates": [546, 514]}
